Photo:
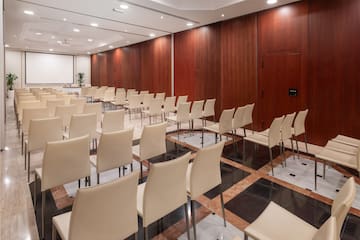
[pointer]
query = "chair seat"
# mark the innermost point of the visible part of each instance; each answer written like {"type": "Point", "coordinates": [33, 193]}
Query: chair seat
{"type": "Point", "coordinates": [140, 198]}
{"type": "Point", "coordinates": [62, 223]}
{"type": "Point", "coordinates": [174, 119]}
{"type": "Point", "coordinates": [347, 140]}
{"type": "Point", "coordinates": [340, 147]}
{"type": "Point", "coordinates": [276, 223]}
{"type": "Point", "coordinates": [213, 128]}
{"type": "Point", "coordinates": [340, 158]}
{"type": "Point", "coordinates": [258, 138]}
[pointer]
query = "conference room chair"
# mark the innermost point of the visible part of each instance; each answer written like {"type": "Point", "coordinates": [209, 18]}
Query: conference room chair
{"type": "Point", "coordinates": [26, 104]}
{"type": "Point", "coordinates": [196, 111]}
{"type": "Point", "coordinates": [51, 104]}
{"type": "Point", "coordinates": [79, 102]}
{"type": "Point", "coordinates": [239, 117]}
{"type": "Point", "coordinates": [169, 106]}
{"type": "Point", "coordinates": [45, 98]}
{"type": "Point", "coordinates": [270, 140]}
{"type": "Point", "coordinates": [27, 97]}
{"type": "Point", "coordinates": [182, 115]}
{"type": "Point", "coordinates": [64, 161]}
{"type": "Point", "coordinates": [66, 97]}
{"type": "Point", "coordinates": [248, 117]}
{"type": "Point", "coordinates": [134, 104]}
{"type": "Point", "coordinates": [41, 131]}
{"type": "Point", "coordinates": [223, 126]}
{"type": "Point", "coordinates": [83, 124]}
{"type": "Point", "coordinates": [153, 111]}
{"type": "Point", "coordinates": [107, 211]}
{"type": "Point", "coordinates": [209, 110]}
{"type": "Point", "coordinates": [299, 128]}
{"type": "Point", "coordinates": [120, 90]}
{"type": "Point", "coordinates": [146, 99]}
{"type": "Point", "coordinates": [143, 92]}
{"type": "Point", "coordinates": [65, 112]}
{"type": "Point", "coordinates": [204, 174]}
{"type": "Point", "coordinates": [109, 95]}
{"type": "Point", "coordinates": [160, 96]}
{"type": "Point", "coordinates": [289, 226]}
{"type": "Point", "coordinates": [354, 142]}
{"type": "Point", "coordinates": [114, 151]}
{"type": "Point", "coordinates": [99, 94]}
{"type": "Point", "coordinates": [152, 143]}
{"type": "Point", "coordinates": [94, 108]}
{"type": "Point", "coordinates": [341, 147]}
{"type": "Point", "coordinates": [131, 92]}
{"type": "Point", "coordinates": [90, 94]}
{"type": "Point", "coordinates": [84, 91]}
{"type": "Point", "coordinates": [112, 121]}
{"type": "Point", "coordinates": [120, 98]}
{"type": "Point", "coordinates": [29, 114]}
{"type": "Point", "coordinates": [163, 192]}
{"type": "Point", "coordinates": [180, 100]}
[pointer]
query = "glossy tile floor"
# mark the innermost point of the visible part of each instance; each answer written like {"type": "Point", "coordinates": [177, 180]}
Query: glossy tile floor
{"type": "Point", "coordinates": [246, 184]}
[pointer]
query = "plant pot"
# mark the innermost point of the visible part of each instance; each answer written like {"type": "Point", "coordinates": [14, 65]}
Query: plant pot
{"type": "Point", "coordinates": [10, 94]}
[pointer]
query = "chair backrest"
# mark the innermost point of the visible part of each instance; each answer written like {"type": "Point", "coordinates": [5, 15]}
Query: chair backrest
{"type": "Point", "coordinates": [104, 211]}
{"type": "Point", "coordinates": [343, 202]}
{"type": "Point", "coordinates": [113, 121]}
{"type": "Point", "coordinates": [274, 132]}
{"type": "Point", "coordinates": [65, 112]}
{"type": "Point", "coordinates": [238, 121]}
{"type": "Point", "coordinates": [225, 121]}
{"type": "Point", "coordinates": [134, 101]}
{"type": "Point", "coordinates": [196, 109]}
{"type": "Point", "coordinates": [130, 92]}
{"type": "Point", "coordinates": [26, 98]}
{"type": "Point", "coordinates": [51, 105]}
{"type": "Point", "coordinates": [153, 141]}
{"type": "Point", "coordinates": [120, 91]}
{"type": "Point", "coordinates": [147, 99]}
{"type": "Point", "coordinates": [160, 96]}
{"type": "Point", "coordinates": [205, 170]}
{"type": "Point", "coordinates": [165, 188]}
{"type": "Point", "coordinates": [209, 108]}
{"type": "Point", "coordinates": [42, 131]}
{"type": "Point", "coordinates": [32, 113]}
{"type": "Point", "coordinates": [45, 97]}
{"type": "Point", "coordinates": [183, 112]}
{"type": "Point", "coordinates": [120, 97]}
{"type": "Point", "coordinates": [94, 108]}
{"type": "Point", "coordinates": [27, 104]}
{"type": "Point", "coordinates": [84, 91]}
{"type": "Point", "coordinates": [299, 123]}
{"type": "Point", "coordinates": [79, 102]}
{"type": "Point", "coordinates": [109, 95]}
{"type": "Point", "coordinates": [82, 124]}
{"type": "Point", "coordinates": [155, 107]}
{"type": "Point", "coordinates": [181, 99]}
{"type": "Point", "coordinates": [169, 104]}
{"type": "Point", "coordinates": [143, 92]}
{"type": "Point", "coordinates": [327, 231]}
{"type": "Point", "coordinates": [286, 126]}
{"type": "Point", "coordinates": [65, 161]}
{"type": "Point", "coordinates": [66, 97]}
{"type": "Point", "coordinates": [248, 119]}
{"type": "Point", "coordinates": [114, 150]}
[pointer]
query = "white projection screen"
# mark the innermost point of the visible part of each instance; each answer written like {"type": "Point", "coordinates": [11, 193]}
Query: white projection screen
{"type": "Point", "coordinates": [43, 68]}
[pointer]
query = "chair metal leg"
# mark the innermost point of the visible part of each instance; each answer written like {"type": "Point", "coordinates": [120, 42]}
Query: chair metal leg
{"type": "Point", "coordinates": [202, 138]}
{"type": "Point", "coordinates": [89, 181]}
{"type": "Point", "coordinates": [98, 178]}
{"type": "Point", "coordinates": [222, 207]}
{"type": "Point", "coordinates": [246, 236]}
{"type": "Point", "coordinates": [146, 233]}
{"type": "Point", "coordinates": [136, 236]}
{"type": "Point", "coordinates": [53, 235]}
{"type": "Point", "coordinates": [216, 137]}
{"type": "Point", "coordinates": [292, 147]}
{"type": "Point", "coordinates": [315, 173]}
{"type": "Point", "coordinates": [297, 148]}
{"type": "Point", "coordinates": [283, 151]}
{"type": "Point", "coordinates": [25, 156]}
{"type": "Point", "coordinates": [271, 161]}
{"type": "Point", "coordinates": [141, 170]}
{"type": "Point", "coordinates": [28, 160]}
{"type": "Point", "coordinates": [43, 199]}
{"type": "Point", "coordinates": [131, 167]}
{"type": "Point", "coordinates": [187, 221]}
{"type": "Point", "coordinates": [324, 169]}
{"type": "Point", "coordinates": [306, 146]}
{"type": "Point", "coordinates": [79, 183]}
{"type": "Point", "coordinates": [34, 193]}
{"type": "Point", "coordinates": [193, 217]}
{"type": "Point", "coordinates": [244, 132]}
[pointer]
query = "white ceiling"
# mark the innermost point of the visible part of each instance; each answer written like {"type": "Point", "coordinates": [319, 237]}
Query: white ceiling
{"type": "Point", "coordinates": [117, 28]}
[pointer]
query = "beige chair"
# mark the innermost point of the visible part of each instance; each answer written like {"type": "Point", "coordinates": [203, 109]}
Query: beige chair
{"type": "Point", "coordinates": [94, 108]}
{"type": "Point", "coordinates": [114, 151]}
{"type": "Point", "coordinates": [83, 124]}
{"type": "Point", "coordinates": [41, 131]}
{"type": "Point", "coordinates": [66, 97]}
{"type": "Point", "coordinates": [65, 112]}
{"type": "Point", "coordinates": [101, 212]}
{"type": "Point", "coordinates": [45, 97]}
{"type": "Point", "coordinates": [147, 98]}
{"type": "Point", "coordinates": [143, 92]}
{"type": "Point", "coordinates": [109, 95]}
{"type": "Point", "coordinates": [169, 105]}
{"type": "Point", "coordinates": [196, 111]}
{"type": "Point", "coordinates": [152, 143]}
{"type": "Point", "coordinates": [113, 121]}
{"type": "Point", "coordinates": [354, 142]}
{"type": "Point", "coordinates": [209, 110]}
{"type": "Point", "coordinates": [26, 104]}
{"type": "Point", "coordinates": [51, 104]}
{"type": "Point", "coordinates": [224, 125]}
{"type": "Point", "coordinates": [299, 128]}
{"type": "Point", "coordinates": [131, 92]}
{"type": "Point", "coordinates": [154, 110]}
{"type": "Point", "coordinates": [264, 227]}
{"type": "Point", "coordinates": [79, 102]}
{"type": "Point", "coordinates": [63, 162]}
{"type": "Point", "coordinates": [248, 119]}
{"type": "Point", "coordinates": [160, 96]}
{"type": "Point", "coordinates": [134, 104]}
{"type": "Point", "coordinates": [120, 98]}
{"type": "Point", "coordinates": [180, 100]}
{"type": "Point", "coordinates": [163, 192]}
{"type": "Point", "coordinates": [182, 115]}
{"type": "Point", "coordinates": [238, 120]}
{"type": "Point", "coordinates": [204, 174]}
{"type": "Point", "coordinates": [271, 140]}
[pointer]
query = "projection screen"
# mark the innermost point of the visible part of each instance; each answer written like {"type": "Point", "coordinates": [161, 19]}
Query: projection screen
{"type": "Point", "coordinates": [43, 68]}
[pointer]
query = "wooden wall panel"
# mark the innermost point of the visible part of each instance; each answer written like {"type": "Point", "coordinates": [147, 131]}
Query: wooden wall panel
{"type": "Point", "coordinates": [95, 70]}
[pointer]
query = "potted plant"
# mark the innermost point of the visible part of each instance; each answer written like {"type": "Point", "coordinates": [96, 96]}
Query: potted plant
{"type": "Point", "coordinates": [81, 78]}
{"type": "Point", "coordinates": [10, 81]}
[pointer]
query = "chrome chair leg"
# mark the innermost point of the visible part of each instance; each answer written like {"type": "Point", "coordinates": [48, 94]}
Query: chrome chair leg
{"type": "Point", "coordinates": [187, 222]}
{"type": "Point", "coordinates": [222, 207]}
{"type": "Point", "coordinates": [43, 199]}
{"type": "Point", "coordinates": [271, 161]}
{"type": "Point", "coordinates": [53, 235]}
{"type": "Point", "coordinates": [193, 217]}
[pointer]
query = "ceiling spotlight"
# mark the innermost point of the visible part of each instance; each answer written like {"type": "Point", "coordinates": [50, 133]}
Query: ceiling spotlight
{"type": "Point", "coordinates": [38, 33]}
{"type": "Point", "coordinates": [222, 15]}
{"type": "Point", "coordinates": [59, 42]}
{"type": "Point", "coordinates": [76, 30]}
{"type": "Point", "coordinates": [161, 17]}
{"type": "Point", "coordinates": [64, 19]}
{"type": "Point", "coordinates": [90, 40]}
{"type": "Point", "coordinates": [124, 6]}
{"type": "Point", "coordinates": [51, 49]}
{"type": "Point", "coordinates": [102, 44]}
{"type": "Point", "coordinates": [53, 37]}
{"type": "Point", "coordinates": [271, 1]}
{"type": "Point", "coordinates": [111, 46]}
{"type": "Point", "coordinates": [88, 52]}
{"type": "Point", "coordinates": [28, 12]}
{"type": "Point", "coordinates": [189, 24]}
{"type": "Point", "coordinates": [7, 45]}
{"type": "Point", "coordinates": [152, 34]}
{"type": "Point", "coordinates": [118, 10]}
{"type": "Point", "coordinates": [94, 24]}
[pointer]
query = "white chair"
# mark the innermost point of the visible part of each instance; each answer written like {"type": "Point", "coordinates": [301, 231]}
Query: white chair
{"type": "Point", "coordinates": [209, 110]}
{"type": "Point", "coordinates": [180, 100]}
{"type": "Point", "coordinates": [169, 105]}
{"type": "Point", "coordinates": [51, 104]}
{"type": "Point", "coordinates": [238, 120]}
{"type": "Point", "coordinates": [113, 121]}
{"type": "Point", "coordinates": [63, 162]}
{"type": "Point", "coordinates": [196, 111]}
{"type": "Point", "coordinates": [204, 174]}
{"type": "Point", "coordinates": [134, 104]}
{"type": "Point", "coordinates": [160, 96]}
{"type": "Point", "coordinates": [224, 125]}
{"type": "Point", "coordinates": [354, 142]}
{"type": "Point", "coordinates": [94, 108]}
{"type": "Point", "coordinates": [154, 110]}
{"type": "Point", "coordinates": [271, 140]}
{"type": "Point", "coordinates": [299, 128]}
{"type": "Point", "coordinates": [147, 98]}
{"type": "Point", "coordinates": [83, 124]}
{"type": "Point", "coordinates": [182, 115]}
{"type": "Point", "coordinates": [79, 102]}
{"type": "Point", "coordinates": [114, 151]}
{"type": "Point", "coordinates": [120, 98]}
{"type": "Point", "coordinates": [163, 192]}
{"type": "Point", "coordinates": [65, 112]}
{"type": "Point", "coordinates": [248, 119]}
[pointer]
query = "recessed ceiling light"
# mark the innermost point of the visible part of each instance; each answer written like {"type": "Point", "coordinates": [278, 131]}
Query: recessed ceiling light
{"type": "Point", "coordinates": [94, 24]}
{"type": "Point", "coordinates": [102, 44]}
{"type": "Point", "coordinates": [189, 24]}
{"type": "Point", "coordinates": [59, 42]}
{"type": "Point", "coordinates": [271, 1]}
{"type": "Point", "coordinates": [51, 49]}
{"type": "Point", "coordinates": [7, 45]}
{"type": "Point", "coordinates": [64, 19]}
{"type": "Point", "coordinates": [90, 40]}
{"type": "Point", "coordinates": [161, 17]}
{"type": "Point", "coordinates": [152, 34]}
{"type": "Point", "coordinates": [53, 37]}
{"type": "Point", "coordinates": [111, 46]}
{"type": "Point", "coordinates": [28, 12]}
{"type": "Point", "coordinates": [38, 33]}
{"type": "Point", "coordinates": [126, 30]}
{"type": "Point", "coordinates": [88, 52]}
{"type": "Point", "coordinates": [222, 15]}
{"type": "Point", "coordinates": [124, 6]}
{"type": "Point", "coordinates": [76, 30]}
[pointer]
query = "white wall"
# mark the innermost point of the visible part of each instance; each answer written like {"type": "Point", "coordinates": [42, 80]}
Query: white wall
{"type": "Point", "coordinates": [15, 63]}
{"type": "Point", "coordinates": [2, 81]}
